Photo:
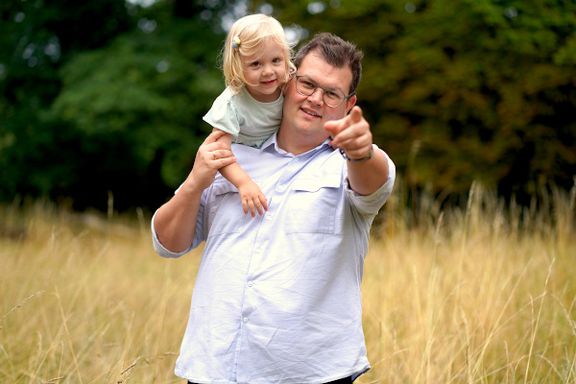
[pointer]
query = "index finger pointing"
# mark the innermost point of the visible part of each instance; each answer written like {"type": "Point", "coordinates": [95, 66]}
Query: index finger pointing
{"type": "Point", "coordinates": [334, 126]}
{"type": "Point", "coordinates": [356, 114]}
{"type": "Point", "coordinates": [337, 126]}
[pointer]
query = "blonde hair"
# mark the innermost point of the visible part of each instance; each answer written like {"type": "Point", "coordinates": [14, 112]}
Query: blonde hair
{"type": "Point", "coordinates": [244, 39]}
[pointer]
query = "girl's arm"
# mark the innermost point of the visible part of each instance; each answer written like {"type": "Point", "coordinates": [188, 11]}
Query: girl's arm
{"type": "Point", "coordinates": [253, 200]}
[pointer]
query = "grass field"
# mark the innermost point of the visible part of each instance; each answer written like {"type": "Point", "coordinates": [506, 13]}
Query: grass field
{"type": "Point", "coordinates": [473, 295]}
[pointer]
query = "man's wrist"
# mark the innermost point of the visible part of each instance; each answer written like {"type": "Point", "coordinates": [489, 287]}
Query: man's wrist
{"type": "Point", "coordinates": [192, 188]}
{"type": "Point", "coordinates": [359, 159]}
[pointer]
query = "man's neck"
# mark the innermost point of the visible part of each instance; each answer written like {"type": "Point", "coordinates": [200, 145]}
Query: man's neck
{"type": "Point", "coordinates": [297, 146]}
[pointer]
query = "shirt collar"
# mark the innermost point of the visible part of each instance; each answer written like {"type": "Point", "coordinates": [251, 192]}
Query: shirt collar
{"type": "Point", "coordinates": [272, 145]}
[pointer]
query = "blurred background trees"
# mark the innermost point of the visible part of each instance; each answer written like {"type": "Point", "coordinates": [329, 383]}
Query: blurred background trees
{"type": "Point", "coordinates": [105, 98]}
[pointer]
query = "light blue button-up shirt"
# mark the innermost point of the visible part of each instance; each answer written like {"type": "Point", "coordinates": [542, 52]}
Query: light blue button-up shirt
{"type": "Point", "coordinates": [277, 297]}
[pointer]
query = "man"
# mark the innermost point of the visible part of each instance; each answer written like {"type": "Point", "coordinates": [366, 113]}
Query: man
{"type": "Point", "coordinates": [277, 297]}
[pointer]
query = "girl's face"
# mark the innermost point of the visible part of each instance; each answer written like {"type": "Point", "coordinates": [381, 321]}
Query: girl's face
{"type": "Point", "coordinates": [265, 71]}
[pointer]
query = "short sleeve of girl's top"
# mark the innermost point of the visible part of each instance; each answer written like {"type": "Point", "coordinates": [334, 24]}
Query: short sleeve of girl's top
{"type": "Point", "coordinates": [223, 115]}
{"type": "Point", "coordinates": [250, 122]}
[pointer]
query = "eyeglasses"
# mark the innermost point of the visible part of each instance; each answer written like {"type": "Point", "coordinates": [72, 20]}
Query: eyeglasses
{"type": "Point", "coordinates": [333, 98]}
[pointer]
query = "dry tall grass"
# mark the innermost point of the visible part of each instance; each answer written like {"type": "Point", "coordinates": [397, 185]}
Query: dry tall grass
{"type": "Point", "coordinates": [475, 295]}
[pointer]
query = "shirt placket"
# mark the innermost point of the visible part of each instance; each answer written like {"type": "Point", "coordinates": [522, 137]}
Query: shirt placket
{"type": "Point", "coordinates": [265, 232]}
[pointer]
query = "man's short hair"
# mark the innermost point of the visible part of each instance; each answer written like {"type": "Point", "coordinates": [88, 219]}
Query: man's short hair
{"type": "Point", "coordinates": [337, 52]}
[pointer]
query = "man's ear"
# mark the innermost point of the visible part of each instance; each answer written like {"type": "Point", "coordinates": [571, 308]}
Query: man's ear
{"type": "Point", "coordinates": [350, 103]}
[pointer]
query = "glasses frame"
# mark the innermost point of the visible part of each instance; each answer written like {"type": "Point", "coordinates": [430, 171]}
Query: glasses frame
{"type": "Point", "coordinates": [324, 90]}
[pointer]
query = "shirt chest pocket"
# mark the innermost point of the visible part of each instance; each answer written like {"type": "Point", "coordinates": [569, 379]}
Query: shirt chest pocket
{"type": "Point", "coordinates": [312, 205]}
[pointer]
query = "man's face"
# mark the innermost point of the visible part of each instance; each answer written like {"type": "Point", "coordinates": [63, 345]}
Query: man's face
{"type": "Point", "coordinates": [306, 115]}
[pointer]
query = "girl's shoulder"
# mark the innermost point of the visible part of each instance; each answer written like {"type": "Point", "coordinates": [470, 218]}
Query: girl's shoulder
{"type": "Point", "coordinates": [225, 100]}
{"type": "Point", "coordinates": [227, 95]}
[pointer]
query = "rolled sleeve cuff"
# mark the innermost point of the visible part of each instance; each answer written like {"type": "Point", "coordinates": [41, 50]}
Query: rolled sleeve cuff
{"type": "Point", "coordinates": [159, 248]}
{"type": "Point", "coordinates": [371, 204]}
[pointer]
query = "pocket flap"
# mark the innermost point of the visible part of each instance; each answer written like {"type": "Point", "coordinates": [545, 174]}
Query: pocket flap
{"type": "Point", "coordinates": [314, 184]}
{"type": "Point", "coordinates": [221, 187]}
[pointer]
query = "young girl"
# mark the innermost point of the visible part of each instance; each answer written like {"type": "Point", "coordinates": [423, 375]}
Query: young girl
{"type": "Point", "coordinates": [256, 65]}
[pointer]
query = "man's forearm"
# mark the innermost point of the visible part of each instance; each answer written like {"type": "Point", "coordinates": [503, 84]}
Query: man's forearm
{"type": "Point", "coordinates": [175, 221]}
{"type": "Point", "coordinates": [366, 176]}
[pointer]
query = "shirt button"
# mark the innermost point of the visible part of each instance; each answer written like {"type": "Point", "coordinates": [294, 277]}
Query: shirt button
{"type": "Point", "coordinates": [245, 319]}
{"type": "Point", "coordinates": [250, 284]}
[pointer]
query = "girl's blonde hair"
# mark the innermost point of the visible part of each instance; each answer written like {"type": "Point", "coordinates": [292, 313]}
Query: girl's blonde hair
{"type": "Point", "coordinates": [245, 38]}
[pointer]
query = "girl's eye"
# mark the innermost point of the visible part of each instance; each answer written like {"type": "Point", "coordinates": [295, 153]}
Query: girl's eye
{"type": "Point", "coordinates": [277, 60]}
{"type": "Point", "coordinates": [254, 64]}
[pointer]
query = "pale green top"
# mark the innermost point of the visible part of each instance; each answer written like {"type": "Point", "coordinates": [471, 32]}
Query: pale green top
{"type": "Point", "coordinates": [248, 120]}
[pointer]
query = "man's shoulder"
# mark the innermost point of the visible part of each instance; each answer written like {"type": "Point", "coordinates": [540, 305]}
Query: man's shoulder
{"type": "Point", "coordinates": [333, 160]}
{"type": "Point", "coordinates": [242, 150]}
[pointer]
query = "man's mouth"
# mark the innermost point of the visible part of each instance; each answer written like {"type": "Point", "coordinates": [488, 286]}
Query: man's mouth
{"type": "Point", "coordinates": [311, 112]}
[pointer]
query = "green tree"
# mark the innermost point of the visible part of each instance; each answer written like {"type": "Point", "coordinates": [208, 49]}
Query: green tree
{"type": "Point", "coordinates": [110, 103]}
{"type": "Point", "coordinates": [139, 102]}
{"type": "Point", "coordinates": [36, 38]}
{"type": "Point", "coordinates": [107, 96]}
{"type": "Point", "coordinates": [467, 90]}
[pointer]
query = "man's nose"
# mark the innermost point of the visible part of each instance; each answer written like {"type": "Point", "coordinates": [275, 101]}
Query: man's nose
{"type": "Point", "coordinates": [317, 97]}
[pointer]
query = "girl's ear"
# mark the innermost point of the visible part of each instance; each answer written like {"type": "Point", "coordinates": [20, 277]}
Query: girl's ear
{"type": "Point", "coordinates": [291, 69]}
{"type": "Point", "coordinates": [291, 72]}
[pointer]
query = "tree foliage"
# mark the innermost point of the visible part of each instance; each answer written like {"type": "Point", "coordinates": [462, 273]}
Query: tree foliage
{"type": "Point", "coordinates": [147, 91]}
{"type": "Point", "coordinates": [462, 91]}
{"type": "Point", "coordinates": [36, 37]}
{"type": "Point", "coordinates": [100, 98]}
{"type": "Point", "coordinates": [125, 116]}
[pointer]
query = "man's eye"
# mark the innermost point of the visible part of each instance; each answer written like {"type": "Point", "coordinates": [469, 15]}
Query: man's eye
{"type": "Point", "coordinates": [308, 85]}
{"type": "Point", "coordinates": [332, 95]}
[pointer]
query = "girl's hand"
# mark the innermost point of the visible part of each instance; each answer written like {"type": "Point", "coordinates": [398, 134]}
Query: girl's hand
{"type": "Point", "coordinates": [253, 200]}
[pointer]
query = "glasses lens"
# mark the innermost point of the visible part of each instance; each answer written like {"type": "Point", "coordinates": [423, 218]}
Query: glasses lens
{"type": "Point", "coordinates": [332, 98]}
{"type": "Point", "coordinates": [304, 86]}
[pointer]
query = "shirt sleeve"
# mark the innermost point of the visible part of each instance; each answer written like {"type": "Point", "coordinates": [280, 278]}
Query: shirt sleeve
{"type": "Point", "coordinates": [159, 248]}
{"type": "Point", "coordinates": [371, 204]}
{"type": "Point", "coordinates": [223, 114]}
